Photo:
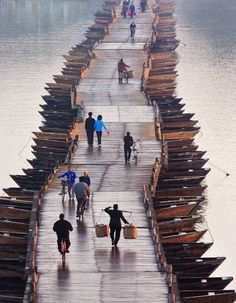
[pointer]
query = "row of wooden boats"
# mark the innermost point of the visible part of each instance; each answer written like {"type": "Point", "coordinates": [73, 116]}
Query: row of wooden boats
{"type": "Point", "coordinates": [174, 199]}
{"type": "Point", "coordinates": [53, 145]}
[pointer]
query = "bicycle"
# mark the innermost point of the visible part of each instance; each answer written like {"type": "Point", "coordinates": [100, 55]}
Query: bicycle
{"type": "Point", "coordinates": [63, 192]}
{"type": "Point", "coordinates": [81, 208]}
{"type": "Point", "coordinates": [63, 250]}
{"type": "Point", "coordinates": [136, 150]}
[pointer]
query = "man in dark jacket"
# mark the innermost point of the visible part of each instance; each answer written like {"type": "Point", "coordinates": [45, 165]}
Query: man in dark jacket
{"type": "Point", "coordinates": [62, 228]}
{"type": "Point", "coordinates": [115, 223]}
{"type": "Point", "coordinates": [89, 127]}
{"type": "Point", "coordinates": [128, 142]}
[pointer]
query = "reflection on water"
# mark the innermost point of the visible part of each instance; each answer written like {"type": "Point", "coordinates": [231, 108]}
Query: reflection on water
{"type": "Point", "coordinates": [34, 34]}
{"type": "Point", "coordinates": [207, 82]}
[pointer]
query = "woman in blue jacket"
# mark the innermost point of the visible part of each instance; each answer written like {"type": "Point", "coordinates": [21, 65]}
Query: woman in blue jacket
{"type": "Point", "coordinates": [70, 176]}
{"type": "Point", "coordinates": [99, 126]}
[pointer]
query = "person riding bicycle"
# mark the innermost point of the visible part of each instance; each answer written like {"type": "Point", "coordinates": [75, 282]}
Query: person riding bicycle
{"type": "Point", "coordinates": [82, 193]}
{"type": "Point", "coordinates": [70, 176]}
{"type": "Point", "coordinates": [62, 228]}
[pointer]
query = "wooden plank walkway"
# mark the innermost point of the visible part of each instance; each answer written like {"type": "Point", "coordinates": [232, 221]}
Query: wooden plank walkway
{"type": "Point", "coordinates": [94, 271]}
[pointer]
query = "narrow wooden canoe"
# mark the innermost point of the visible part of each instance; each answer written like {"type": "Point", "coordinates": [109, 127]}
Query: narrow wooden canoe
{"type": "Point", "coordinates": [174, 211]}
{"type": "Point", "coordinates": [15, 213]}
{"type": "Point", "coordinates": [185, 165]}
{"type": "Point", "coordinates": [185, 249]}
{"type": "Point", "coordinates": [181, 124]}
{"type": "Point", "coordinates": [181, 192]}
{"type": "Point", "coordinates": [187, 237]}
{"type": "Point", "coordinates": [203, 283]}
{"type": "Point", "coordinates": [14, 227]}
{"type": "Point", "coordinates": [180, 143]}
{"type": "Point", "coordinates": [195, 267]}
{"type": "Point", "coordinates": [177, 135]}
{"type": "Point", "coordinates": [211, 298]}
{"type": "Point", "coordinates": [10, 240]}
{"type": "Point", "coordinates": [176, 174]}
{"type": "Point", "coordinates": [178, 224]}
{"type": "Point", "coordinates": [52, 143]}
{"type": "Point", "coordinates": [18, 192]}
{"type": "Point", "coordinates": [51, 136]}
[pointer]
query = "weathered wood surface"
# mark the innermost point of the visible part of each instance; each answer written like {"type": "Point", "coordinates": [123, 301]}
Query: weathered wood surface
{"type": "Point", "coordinates": [94, 271]}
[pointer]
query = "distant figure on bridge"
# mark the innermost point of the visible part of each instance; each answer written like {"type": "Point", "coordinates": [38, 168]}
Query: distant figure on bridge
{"type": "Point", "coordinates": [115, 223]}
{"type": "Point", "coordinates": [128, 142]}
{"type": "Point", "coordinates": [89, 127]}
{"type": "Point", "coordinates": [143, 5]}
{"type": "Point", "coordinates": [122, 70]}
{"type": "Point", "coordinates": [132, 9]}
{"type": "Point", "coordinates": [62, 228]}
{"type": "Point", "coordinates": [124, 9]}
{"type": "Point", "coordinates": [132, 30]}
{"type": "Point", "coordinates": [99, 126]}
{"type": "Point", "coordinates": [70, 176]}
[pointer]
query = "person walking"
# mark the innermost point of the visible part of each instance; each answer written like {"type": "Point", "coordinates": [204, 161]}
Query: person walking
{"type": "Point", "coordinates": [115, 223]}
{"type": "Point", "coordinates": [62, 228]}
{"type": "Point", "coordinates": [99, 126]}
{"type": "Point", "coordinates": [85, 178]}
{"type": "Point", "coordinates": [128, 142]}
{"type": "Point", "coordinates": [122, 69]}
{"type": "Point", "coordinates": [70, 176]}
{"type": "Point", "coordinates": [132, 9]}
{"type": "Point", "coordinates": [132, 30]}
{"type": "Point", "coordinates": [89, 127]}
{"type": "Point", "coordinates": [124, 9]}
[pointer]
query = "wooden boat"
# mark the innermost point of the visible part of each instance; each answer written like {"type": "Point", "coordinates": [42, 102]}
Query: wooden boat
{"type": "Point", "coordinates": [188, 173]}
{"type": "Point", "coordinates": [63, 124]}
{"type": "Point", "coordinates": [195, 267]}
{"type": "Point", "coordinates": [18, 192]}
{"type": "Point", "coordinates": [182, 149]}
{"type": "Point", "coordinates": [173, 211]}
{"type": "Point", "coordinates": [58, 114]}
{"type": "Point", "coordinates": [43, 154]}
{"type": "Point", "coordinates": [55, 98]}
{"type": "Point", "coordinates": [14, 227]}
{"type": "Point", "coordinates": [185, 165]}
{"type": "Point", "coordinates": [185, 249]}
{"type": "Point", "coordinates": [203, 283]}
{"type": "Point", "coordinates": [177, 224]}
{"type": "Point", "coordinates": [183, 117]}
{"type": "Point", "coordinates": [185, 154]}
{"type": "Point", "coordinates": [178, 125]}
{"type": "Point", "coordinates": [180, 143]}
{"type": "Point", "coordinates": [158, 202]}
{"type": "Point", "coordinates": [183, 237]}
{"type": "Point", "coordinates": [43, 164]}
{"type": "Point", "coordinates": [224, 297]}
{"type": "Point", "coordinates": [14, 213]}
{"type": "Point", "coordinates": [176, 135]}
{"type": "Point", "coordinates": [181, 182]}
{"type": "Point", "coordinates": [52, 143]}
{"type": "Point", "coordinates": [50, 150]}
{"type": "Point", "coordinates": [180, 192]}
{"type": "Point", "coordinates": [20, 179]}
{"type": "Point", "coordinates": [59, 86]}
{"type": "Point", "coordinates": [51, 136]}
{"type": "Point", "coordinates": [54, 129]}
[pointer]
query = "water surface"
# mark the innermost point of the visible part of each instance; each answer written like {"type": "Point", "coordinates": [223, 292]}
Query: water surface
{"type": "Point", "coordinates": [207, 82]}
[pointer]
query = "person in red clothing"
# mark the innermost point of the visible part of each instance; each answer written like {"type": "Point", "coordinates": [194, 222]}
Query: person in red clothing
{"type": "Point", "coordinates": [122, 69]}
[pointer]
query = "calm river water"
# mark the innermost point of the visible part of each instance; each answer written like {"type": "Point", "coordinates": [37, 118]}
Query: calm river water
{"type": "Point", "coordinates": [207, 82]}
{"type": "Point", "coordinates": [35, 33]}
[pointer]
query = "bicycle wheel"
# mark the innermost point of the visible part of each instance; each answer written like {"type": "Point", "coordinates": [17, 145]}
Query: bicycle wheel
{"type": "Point", "coordinates": [63, 250]}
{"type": "Point", "coordinates": [63, 192]}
